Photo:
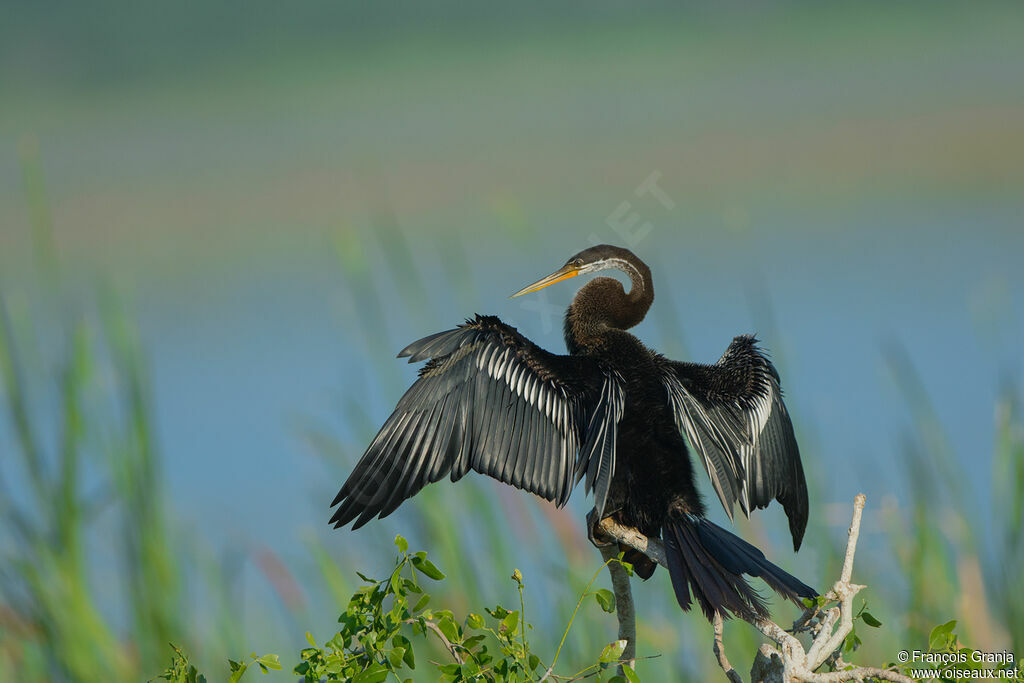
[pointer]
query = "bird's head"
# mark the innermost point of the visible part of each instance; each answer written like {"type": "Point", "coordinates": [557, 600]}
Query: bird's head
{"type": "Point", "coordinates": [591, 260]}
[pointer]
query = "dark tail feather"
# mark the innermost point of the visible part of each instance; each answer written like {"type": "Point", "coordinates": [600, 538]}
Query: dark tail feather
{"type": "Point", "coordinates": [707, 560]}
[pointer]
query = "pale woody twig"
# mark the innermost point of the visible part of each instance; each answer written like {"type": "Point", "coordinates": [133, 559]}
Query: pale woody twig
{"type": "Point", "coordinates": [426, 623]}
{"type": "Point", "coordinates": [723, 662]}
{"type": "Point", "coordinates": [790, 662]}
{"type": "Point", "coordinates": [624, 608]}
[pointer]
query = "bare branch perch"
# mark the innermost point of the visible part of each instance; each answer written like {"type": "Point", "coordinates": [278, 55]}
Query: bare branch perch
{"type": "Point", "coordinates": [624, 609]}
{"type": "Point", "coordinates": [651, 547]}
{"type": "Point", "coordinates": [788, 662]}
{"type": "Point", "coordinates": [723, 662]}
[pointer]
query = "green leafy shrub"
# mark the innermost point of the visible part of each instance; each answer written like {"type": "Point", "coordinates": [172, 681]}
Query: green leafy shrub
{"type": "Point", "coordinates": [386, 618]}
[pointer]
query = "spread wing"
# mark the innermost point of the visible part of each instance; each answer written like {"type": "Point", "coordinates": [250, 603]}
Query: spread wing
{"type": "Point", "coordinates": [732, 414]}
{"type": "Point", "coordinates": [492, 401]}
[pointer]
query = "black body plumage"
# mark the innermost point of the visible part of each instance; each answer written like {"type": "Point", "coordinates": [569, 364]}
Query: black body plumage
{"type": "Point", "coordinates": [612, 413]}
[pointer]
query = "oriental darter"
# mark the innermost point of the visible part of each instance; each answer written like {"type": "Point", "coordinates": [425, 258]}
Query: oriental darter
{"type": "Point", "coordinates": [613, 413]}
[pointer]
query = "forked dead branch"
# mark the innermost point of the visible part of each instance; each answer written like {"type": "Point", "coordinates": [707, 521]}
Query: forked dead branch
{"type": "Point", "coordinates": [787, 661]}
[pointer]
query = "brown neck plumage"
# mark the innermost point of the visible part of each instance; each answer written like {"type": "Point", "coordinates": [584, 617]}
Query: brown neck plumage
{"type": "Point", "coordinates": [603, 303]}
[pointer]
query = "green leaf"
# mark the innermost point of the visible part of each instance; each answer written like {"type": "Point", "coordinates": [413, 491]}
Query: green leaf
{"type": "Point", "coordinates": [498, 612]}
{"type": "Point", "coordinates": [534, 661]}
{"type": "Point", "coordinates": [421, 603]}
{"type": "Point", "coordinates": [470, 668]}
{"type": "Point", "coordinates": [631, 674]}
{"type": "Point", "coordinates": [472, 641]}
{"type": "Point", "coordinates": [310, 640]}
{"type": "Point", "coordinates": [612, 651]}
{"type": "Point", "coordinates": [375, 673]}
{"type": "Point", "coordinates": [408, 657]}
{"type": "Point", "coordinates": [474, 621]}
{"type": "Point", "coordinates": [940, 635]}
{"type": "Point", "coordinates": [401, 544]}
{"type": "Point", "coordinates": [396, 656]}
{"type": "Point", "coordinates": [269, 662]}
{"type": "Point", "coordinates": [509, 623]}
{"type": "Point", "coordinates": [448, 628]}
{"type": "Point", "coordinates": [237, 669]}
{"type": "Point", "coordinates": [427, 568]}
{"type": "Point", "coordinates": [606, 599]}
{"type": "Point", "coordinates": [339, 641]}
{"type": "Point", "coordinates": [870, 620]}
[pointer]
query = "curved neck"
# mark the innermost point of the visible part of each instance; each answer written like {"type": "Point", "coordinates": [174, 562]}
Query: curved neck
{"type": "Point", "coordinates": [603, 303]}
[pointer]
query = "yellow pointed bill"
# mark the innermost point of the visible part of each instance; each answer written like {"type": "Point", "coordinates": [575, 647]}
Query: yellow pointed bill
{"type": "Point", "coordinates": [563, 273]}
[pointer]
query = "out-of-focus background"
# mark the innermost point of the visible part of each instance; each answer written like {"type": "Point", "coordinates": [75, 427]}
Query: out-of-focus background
{"type": "Point", "coordinates": [219, 222]}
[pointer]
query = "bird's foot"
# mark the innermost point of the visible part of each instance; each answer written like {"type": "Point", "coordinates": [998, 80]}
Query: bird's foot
{"type": "Point", "coordinates": [594, 532]}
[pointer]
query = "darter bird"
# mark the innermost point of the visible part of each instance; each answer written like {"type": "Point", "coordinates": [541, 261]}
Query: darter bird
{"type": "Point", "coordinates": [613, 413]}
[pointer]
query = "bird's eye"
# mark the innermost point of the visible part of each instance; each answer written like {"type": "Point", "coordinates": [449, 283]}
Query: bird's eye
{"type": "Point", "coordinates": [577, 262]}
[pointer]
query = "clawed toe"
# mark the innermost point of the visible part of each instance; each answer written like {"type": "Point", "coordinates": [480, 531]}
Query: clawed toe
{"type": "Point", "coordinates": [594, 533]}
